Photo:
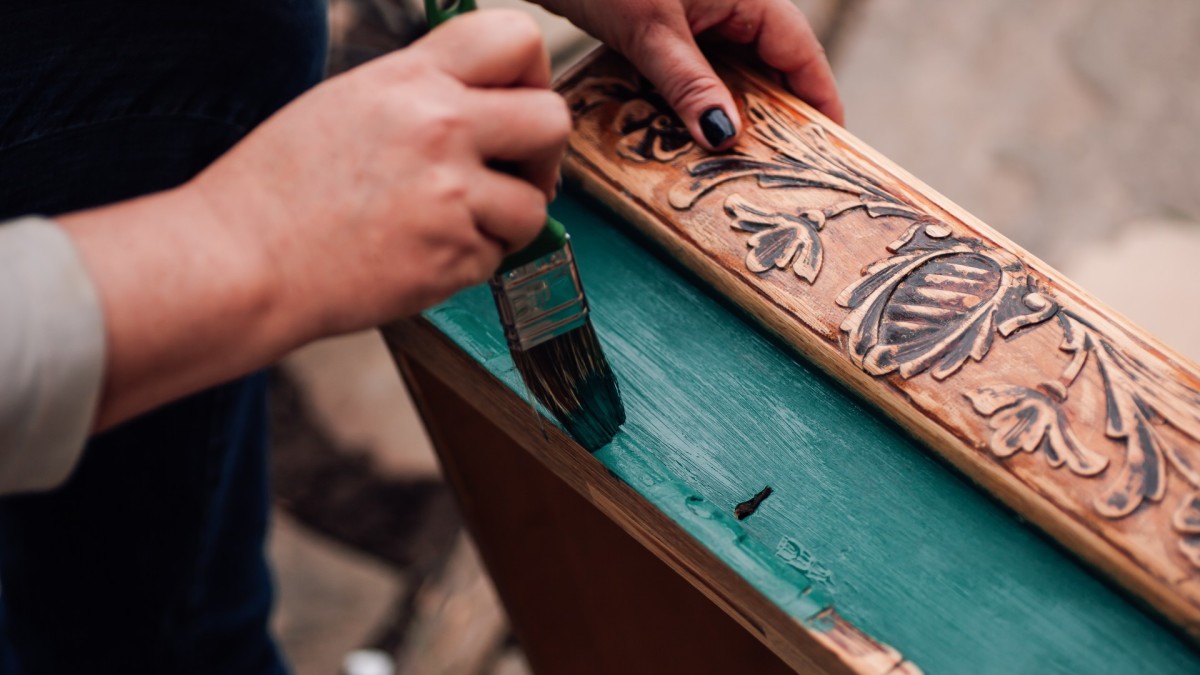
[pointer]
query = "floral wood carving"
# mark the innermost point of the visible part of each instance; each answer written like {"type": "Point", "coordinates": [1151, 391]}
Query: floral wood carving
{"type": "Point", "coordinates": [1137, 396]}
{"type": "Point", "coordinates": [1029, 420]}
{"type": "Point", "coordinates": [937, 301]}
{"type": "Point", "coordinates": [648, 129]}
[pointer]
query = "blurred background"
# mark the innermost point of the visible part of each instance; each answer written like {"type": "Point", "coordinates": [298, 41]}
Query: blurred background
{"type": "Point", "coordinates": [1071, 126]}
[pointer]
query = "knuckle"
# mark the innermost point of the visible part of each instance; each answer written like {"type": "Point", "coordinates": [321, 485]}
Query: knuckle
{"type": "Point", "coordinates": [648, 16]}
{"type": "Point", "coordinates": [814, 58]}
{"type": "Point", "coordinates": [546, 113]}
{"type": "Point", "coordinates": [407, 65]}
{"type": "Point", "coordinates": [558, 115]}
{"type": "Point", "coordinates": [474, 265]}
{"type": "Point", "coordinates": [531, 214]}
{"type": "Point", "coordinates": [447, 185]}
{"type": "Point", "coordinates": [442, 127]}
{"type": "Point", "coordinates": [745, 20]}
{"type": "Point", "coordinates": [488, 258]}
{"type": "Point", "coordinates": [446, 122]}
{"type": "Point", "coordinates": [689, 90]}
{"type": "Point", "coordinates": [520, 29]}
{"type": "Point", "coordinates": [649, 28]}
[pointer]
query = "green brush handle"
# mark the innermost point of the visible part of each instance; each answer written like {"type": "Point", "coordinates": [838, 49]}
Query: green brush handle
{"type": "Point", "coordinates": [440, 11]}
{"type": "Point", "coordinates": [554, 235]}
{"type": "Point", "coordinates": [552, 238]}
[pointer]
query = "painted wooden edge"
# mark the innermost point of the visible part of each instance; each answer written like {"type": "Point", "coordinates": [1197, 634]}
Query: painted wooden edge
{"type": "Point", "coordinates": [581, 595]}
{"type": "Point", "coordinates": [1067, 412]}
{"type": "Point", "coordinates": [774, 602]}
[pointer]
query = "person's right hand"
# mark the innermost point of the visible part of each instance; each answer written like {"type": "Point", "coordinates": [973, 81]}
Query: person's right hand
{"type": "Point", "coordinates": [366, 200]}
{"type": "Point", "coordinates": [374, 195]}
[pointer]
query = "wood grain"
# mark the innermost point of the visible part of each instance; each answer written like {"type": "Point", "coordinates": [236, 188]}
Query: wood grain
{"type": "Point", "coordinates": [805, 633]}
{"type": "Point", "coordinates": [583, 596]}
{"type": "Point", "coordinates": [1072, 416]}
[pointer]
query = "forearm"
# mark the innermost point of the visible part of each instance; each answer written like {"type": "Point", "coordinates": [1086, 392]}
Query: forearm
{"type": "Point", "coordinates": [188, 300]}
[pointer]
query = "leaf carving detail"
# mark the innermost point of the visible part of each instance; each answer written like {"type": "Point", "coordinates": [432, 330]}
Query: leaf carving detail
{"type": "Point", "coordinates": [780, 240]}
{"type": "Point", "coordinates": [786, 155]}
{"type": "Point", "coordinates": [648, 128]}
{"type": "Point", "coordinates": [1135, 396]}
{"type": "Point", "coordinates": [650, 133]}
{"type": "Point", "coordinates": [1026, 419]}
{"type": "Point", "coordinates": [1186, 521]}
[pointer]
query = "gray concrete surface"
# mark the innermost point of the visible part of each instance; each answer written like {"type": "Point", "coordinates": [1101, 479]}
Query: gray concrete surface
{"type": "Point", "coordinates": [356, 395]}
{"type": "Point", "coordinates": [1056, 121]}
{"type": "Point", "coordinates": [331, 599]}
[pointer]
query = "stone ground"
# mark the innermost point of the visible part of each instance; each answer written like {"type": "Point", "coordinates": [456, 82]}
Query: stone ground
{"type": "Point", "coordinates": [1069, 125]}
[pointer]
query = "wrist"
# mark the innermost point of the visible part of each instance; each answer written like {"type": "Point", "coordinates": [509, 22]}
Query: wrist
{"type": "Point", "coordinates": [239, 226]}
{"type": "Point", "coordinates": [187, 303]}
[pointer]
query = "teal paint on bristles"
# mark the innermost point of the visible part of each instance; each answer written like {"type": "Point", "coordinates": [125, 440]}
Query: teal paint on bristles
{"type": "Point", "coordinates": [549, 331]}
{"type": "Point", "coordinates": [546, 323]}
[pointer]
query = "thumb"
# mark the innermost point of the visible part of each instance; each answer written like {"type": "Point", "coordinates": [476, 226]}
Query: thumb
{"type": "Point", "coordinates": [669, 57]}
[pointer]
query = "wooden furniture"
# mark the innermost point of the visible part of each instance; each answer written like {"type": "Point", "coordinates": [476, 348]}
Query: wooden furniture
{"type": "Point", "coordinates": [869, 554]}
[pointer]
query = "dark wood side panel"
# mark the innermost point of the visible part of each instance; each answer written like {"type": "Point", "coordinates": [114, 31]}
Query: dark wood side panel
{"type": "Point", "coordinates": [583, 596]}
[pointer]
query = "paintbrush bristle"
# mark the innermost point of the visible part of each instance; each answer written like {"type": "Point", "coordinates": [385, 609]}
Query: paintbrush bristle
{"type": "Point", "coordinates": [546, 321]}
{"type": "Point", "coordinates": [571, 377]}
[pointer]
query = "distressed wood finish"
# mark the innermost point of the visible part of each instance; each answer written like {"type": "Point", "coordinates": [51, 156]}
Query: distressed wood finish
{"type": "Point", "coordinates": [583, 596]}
{"type": "Point", "coordinates": [861, 518]}
{"type": "Point", "coordinates": [796, 622]}
{"type": "Point", "coordinates": [1075, 418]}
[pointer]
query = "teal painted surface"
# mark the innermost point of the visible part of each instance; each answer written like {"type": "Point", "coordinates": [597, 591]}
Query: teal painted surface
{"type": "Point", "coordinates": [902, 546]}
{"type": "Point", "coordinates": [791, 589]}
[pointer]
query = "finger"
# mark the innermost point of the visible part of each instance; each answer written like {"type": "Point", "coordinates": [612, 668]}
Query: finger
{"type": "Point", "coordinates": [525, 128]}
{"type": "Point", "coordinates": [492, 48]}
{"type": "Point", "coordinates": [506, 209]}
{"type": "Point", "coordinates": [666, 53]}
{"type": "Point", "coordinates": [786, 42]}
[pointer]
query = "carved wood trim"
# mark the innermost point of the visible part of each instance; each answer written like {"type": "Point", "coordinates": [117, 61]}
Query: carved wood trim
{"type": "Point", "coordinates": [1074, 417]}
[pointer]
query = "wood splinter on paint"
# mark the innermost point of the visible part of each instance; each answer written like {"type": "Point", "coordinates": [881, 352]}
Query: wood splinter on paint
{"type": "Point", "coordinates": [743, 510]}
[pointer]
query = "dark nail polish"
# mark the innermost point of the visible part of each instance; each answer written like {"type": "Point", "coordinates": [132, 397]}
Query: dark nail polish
{"type": "Point", "coordinates": [716, 126]}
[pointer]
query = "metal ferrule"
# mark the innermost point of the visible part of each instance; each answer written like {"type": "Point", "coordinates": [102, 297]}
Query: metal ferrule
{"type": "Point", "coordinates": [540, 300]}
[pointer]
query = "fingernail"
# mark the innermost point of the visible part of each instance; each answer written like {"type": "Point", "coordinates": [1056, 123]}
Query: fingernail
{"type": "Point", "coordinates": [716, 126]}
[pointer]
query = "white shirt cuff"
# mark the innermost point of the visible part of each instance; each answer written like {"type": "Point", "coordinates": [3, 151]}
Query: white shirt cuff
{"type": "Point", "coordinates": [52, 352]}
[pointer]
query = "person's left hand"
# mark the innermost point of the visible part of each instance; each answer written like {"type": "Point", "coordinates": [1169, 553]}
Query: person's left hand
{"type": "Point", "coordinates": [658, 36]}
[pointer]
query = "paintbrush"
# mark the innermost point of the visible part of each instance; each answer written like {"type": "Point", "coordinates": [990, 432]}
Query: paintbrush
{"type": "Point", "coordinates": [545, 315]}
{"type": "Point", "coordinates": [546, 321]}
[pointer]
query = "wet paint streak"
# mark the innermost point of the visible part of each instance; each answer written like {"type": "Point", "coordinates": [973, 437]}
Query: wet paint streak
{"type": "Point", "coordinates": [909, 552]}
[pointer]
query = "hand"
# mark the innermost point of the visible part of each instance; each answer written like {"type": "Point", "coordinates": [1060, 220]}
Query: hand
{"type": "Point", "coordinates": [658, 36]}
{"type": "Point", "coordinates": [365, 200]}
{"type": "Point", "coordinates": [377, 187]}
